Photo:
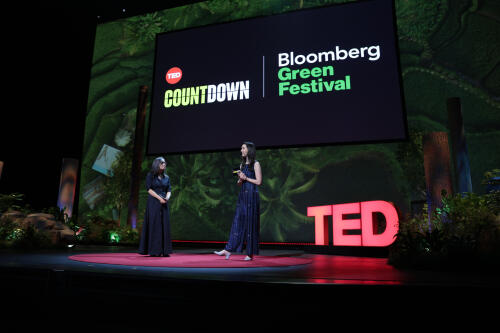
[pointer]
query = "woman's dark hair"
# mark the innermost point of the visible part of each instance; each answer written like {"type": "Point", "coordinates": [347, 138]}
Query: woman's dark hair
{"type": "Point", "coordinates": [155, 168]}
{"type": "Point", "coordinates": [252, 151]}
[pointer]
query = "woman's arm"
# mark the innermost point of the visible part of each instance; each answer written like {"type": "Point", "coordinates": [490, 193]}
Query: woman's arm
{"type": "Point", "coordinates": [258, 175]}
{"type": "Point", "coordinates": [154, 194]}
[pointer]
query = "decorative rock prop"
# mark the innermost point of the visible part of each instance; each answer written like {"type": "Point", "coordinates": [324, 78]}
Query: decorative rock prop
{"type": "Point", "coordinates": [57, 231]}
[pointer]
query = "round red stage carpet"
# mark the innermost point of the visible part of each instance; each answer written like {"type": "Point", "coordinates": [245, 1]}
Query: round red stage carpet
{"type": "Point", "coordinates": [189, 260]}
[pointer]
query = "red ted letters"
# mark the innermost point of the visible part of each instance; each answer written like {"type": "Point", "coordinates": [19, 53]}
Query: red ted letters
{"type": "Point", "coordinates": [366, 210]}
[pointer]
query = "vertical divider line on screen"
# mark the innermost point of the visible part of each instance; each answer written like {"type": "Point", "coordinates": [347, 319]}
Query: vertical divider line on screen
{"type": "Point", "coordinates": [263, 75]}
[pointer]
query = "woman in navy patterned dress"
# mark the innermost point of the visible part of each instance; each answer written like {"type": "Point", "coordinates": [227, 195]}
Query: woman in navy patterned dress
{"type": "Point", "coordinates": [246, 222]}
{"type": "Point", "coordinates": [155, 236]}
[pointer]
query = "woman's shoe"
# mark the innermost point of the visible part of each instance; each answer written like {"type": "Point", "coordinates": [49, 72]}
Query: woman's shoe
{"type": "Point", "coordinates": [247, 258]}
{"type": "Point", "coordinates": [223, 252]}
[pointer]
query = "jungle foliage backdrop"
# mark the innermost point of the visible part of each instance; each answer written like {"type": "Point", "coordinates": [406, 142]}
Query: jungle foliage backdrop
{"type": "Point", "coordinates": [448, 48]}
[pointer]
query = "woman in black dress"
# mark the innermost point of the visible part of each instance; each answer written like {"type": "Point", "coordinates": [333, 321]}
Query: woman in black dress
{"type": "Point", "coordinates": [155, 237]}
{"type": "Point", "coordinates": [246, 222]}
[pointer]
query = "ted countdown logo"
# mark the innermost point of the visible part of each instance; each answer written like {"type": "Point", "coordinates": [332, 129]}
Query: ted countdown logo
{"type": "Point", "coordinates": [174, 75]}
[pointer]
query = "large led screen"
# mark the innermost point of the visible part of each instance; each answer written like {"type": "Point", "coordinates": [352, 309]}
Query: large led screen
{"type": "Point", "coordinates": [311, 77]}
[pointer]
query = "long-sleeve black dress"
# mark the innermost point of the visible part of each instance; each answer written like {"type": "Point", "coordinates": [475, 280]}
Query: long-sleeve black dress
{"type": "Point", "coordinates": [155, 236]}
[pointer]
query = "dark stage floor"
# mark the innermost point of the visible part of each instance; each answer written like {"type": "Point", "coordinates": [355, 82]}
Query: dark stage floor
{"type": "Point", "coordinates": [47, 285]}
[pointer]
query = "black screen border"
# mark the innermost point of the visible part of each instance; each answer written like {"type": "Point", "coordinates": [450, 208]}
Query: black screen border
{"type": "Point", "coordinates": [361, 142]}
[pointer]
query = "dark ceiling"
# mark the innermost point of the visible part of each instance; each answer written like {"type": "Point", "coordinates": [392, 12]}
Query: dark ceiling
{"type": "Point", "coordinates": [47, 50]}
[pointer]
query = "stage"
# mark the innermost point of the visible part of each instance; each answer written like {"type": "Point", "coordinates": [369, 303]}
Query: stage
{"type": "Point", "coordinates": [308, 286]}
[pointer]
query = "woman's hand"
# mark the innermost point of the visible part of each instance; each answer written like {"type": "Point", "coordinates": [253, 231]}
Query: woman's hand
{"type": "Point", "coordinates": [242, 176]}
{"type": "Point", "coordinates": [159, 197]}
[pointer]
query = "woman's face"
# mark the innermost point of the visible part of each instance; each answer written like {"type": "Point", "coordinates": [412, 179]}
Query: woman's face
{"type": "Point", "coordinates": [163, 164]}
{"type": "Point", "coordinates": [244, 150]}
